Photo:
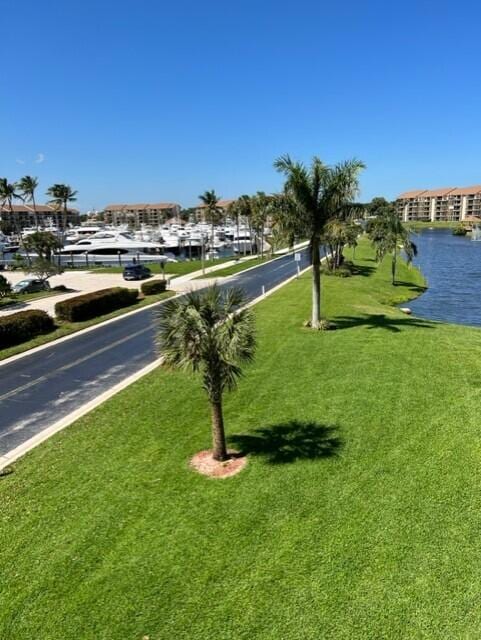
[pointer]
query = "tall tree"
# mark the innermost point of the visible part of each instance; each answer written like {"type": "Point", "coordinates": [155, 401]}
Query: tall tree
{"type": "Point", "coordinates": [8, 193]}
{"type": "Point", "coordinates": [213, 213]}
{"type": "Point", "coordinates": [27, 186]}
{"type": "Point", "coordinates": [388, 234]}
{"type": "Point", "coordinates": [61, 195]}
{"type": "Point", "coordinates": [242, 210]}
{"type": "Point", "coordinates": [261, 205]}
{"type": "Point", "coordinates": [318, 193]}
{"type": "Point", "coordinates": [205, 332]}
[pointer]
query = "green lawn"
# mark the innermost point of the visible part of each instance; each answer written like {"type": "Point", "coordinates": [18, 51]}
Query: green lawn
{"type": "Point", "coordinates": [66, 328]}
{"type": "Point", "coordinates": [236, 268]}
{"type": "Point", "coordinates": [418, 226]}
{"type": "Point", "coordinates": [171, 268]}
{"type": "Point", "coordinates": [26, 297]}
{"type": "Point", "coordinates": [357, 517]}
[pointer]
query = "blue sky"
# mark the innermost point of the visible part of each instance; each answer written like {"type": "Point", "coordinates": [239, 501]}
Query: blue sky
{"type": "Point", "coordinates": [158, 101]}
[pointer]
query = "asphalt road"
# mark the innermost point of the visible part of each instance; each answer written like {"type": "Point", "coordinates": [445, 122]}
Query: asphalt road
{"type": "Point", "coordinates": [39, 389]}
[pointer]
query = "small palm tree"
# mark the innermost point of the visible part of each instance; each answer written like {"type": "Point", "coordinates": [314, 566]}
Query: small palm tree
{"type": "Point", "coordinates": [8, 193]}
{"type": "Point", "coordinates": [205, 332]}
{"type": "Point", "coordinates": [318, 194]}
{"type": "Point", "coordinates": [213, 213]}
{"type": "Point", "coordinates": [388, 234]}
{"type": "Point", "coordinates": [27, 186]}
{"type": "Point", "coordinates": [61, 195]}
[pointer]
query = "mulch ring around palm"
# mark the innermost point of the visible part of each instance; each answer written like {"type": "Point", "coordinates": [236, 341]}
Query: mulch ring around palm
{"type": "Point", "coordinates": [204, 463]}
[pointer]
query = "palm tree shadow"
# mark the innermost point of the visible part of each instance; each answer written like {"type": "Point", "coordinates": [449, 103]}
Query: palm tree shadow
{"type": "Point", "coordinates": [290, 441]}
{"type": "Point", "coordinates": [381, 321]}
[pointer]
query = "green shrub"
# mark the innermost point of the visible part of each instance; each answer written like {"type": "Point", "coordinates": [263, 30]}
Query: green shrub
{"type": "Point", "coordinates": [97, 303]}
{"type": "Point", "coordinates": [5, 287]}
{"type": "Point", "coordinates": [341, 272]}
{"type": "Point", "coordinates": [24, 325]}
{"type": "Point", "coordinates": [152, 287]}
{"type": "Point", "coordinates": [460, 230]}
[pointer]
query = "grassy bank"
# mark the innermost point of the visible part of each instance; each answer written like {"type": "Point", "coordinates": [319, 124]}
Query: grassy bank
{"type": "Point", "coordinates": [66, 328]}
{"type": "Point", "coordinates": [419, 226]}
{"type": "Point", "coordinates": [171, 268]}
{"type": "Point", "coordinates": [358, 515]}
{"type": "Point", "coordinates": [21, 298]}
{"type": "Point", "coordinates": [236, 268]}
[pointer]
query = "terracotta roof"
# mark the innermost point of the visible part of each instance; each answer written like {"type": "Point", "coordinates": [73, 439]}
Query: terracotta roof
{"type": "Point", "coordinates": [434, 193]}
{"type": "Point", "coordinates": [437, 193]}
{"type": "Point", "coordinates": [28, 208]}
{"type": "Point", "coordinates": [465, 191]}
{"type": "Point", "coordinates": [221, 203]}
{"type": "Point", "coordinates": [141, 207]}
{"type": "Point", "coordinates": [411, 194]}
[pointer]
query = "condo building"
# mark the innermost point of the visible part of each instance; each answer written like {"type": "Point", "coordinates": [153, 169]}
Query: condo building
{"type": "Point", "coordinates": [448, 204]}
{"type": "Point", "coordinates": [22, 216]}
{"type": "Point", "coordinates": [222, 205]}
{"type": "Point", "coordinates": [138, 214]}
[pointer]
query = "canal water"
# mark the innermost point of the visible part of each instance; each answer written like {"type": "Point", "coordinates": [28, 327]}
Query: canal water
{"type": "Point", "coordinates": [452, 268]}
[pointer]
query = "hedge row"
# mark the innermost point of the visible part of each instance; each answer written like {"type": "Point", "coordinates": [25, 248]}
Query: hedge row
{"type": "Point", "coordinates": [152, 287]}
{"type": "Point", "coordinates": [24, 325]}
{"type": "Point", "coordinates": [97, 303]}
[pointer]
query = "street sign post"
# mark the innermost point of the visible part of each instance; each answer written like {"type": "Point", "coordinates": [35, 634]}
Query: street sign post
{"type": "Point", "coordinates": [297, 257]}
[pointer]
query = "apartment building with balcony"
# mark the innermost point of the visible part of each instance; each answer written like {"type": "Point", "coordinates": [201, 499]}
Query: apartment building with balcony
{"type": "Point", "coordinates": [22, 216]}
{"type": "Point", "coordinates": [223, 206]}
{"type": "Point", "coordinates": [449, 204]}
{"type": "Point", "coordinates": [138, 214]}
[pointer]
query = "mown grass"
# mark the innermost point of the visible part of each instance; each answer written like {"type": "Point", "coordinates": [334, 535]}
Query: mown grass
{"type": "Point", "coordinates": [357, 517]}
{"type": "Point", "coordinates": [21, 298]}
{"type": "Point", "coordinates": [437, 224]}
{"type": "Point", "coordinates": [66, 328]}
{"type": "Point", "coordinates": [237, 268]}
{"type": "Point", "coordinates": [180, 268]}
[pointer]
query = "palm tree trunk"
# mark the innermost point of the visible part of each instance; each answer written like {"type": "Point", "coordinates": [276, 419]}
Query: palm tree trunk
{"type": "Point", "coordinates": [65, 217]}
{"type": "Point", "coordinates": [238, 239]}
{"type": "Point", "coordinates": [218, 434]}
{"type": "Point", "coordinates": [212, 238]}
{"type": "Point", "coordinates": [393, 264]}
{"type": "Point", "coordinates": [316, 285]}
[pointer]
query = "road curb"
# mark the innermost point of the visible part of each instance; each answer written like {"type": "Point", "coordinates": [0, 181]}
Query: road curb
{"type": "Point", "coordinates": [7, 458]}
{"type": "Point", "coordinates": [80, 332]}
{"type": "Point", "coordinates": [16, 453]}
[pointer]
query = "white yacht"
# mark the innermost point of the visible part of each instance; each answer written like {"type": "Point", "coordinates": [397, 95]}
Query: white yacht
{"type": "Point", "coordinates": [242, 241]}
{"type": "Point", "coordinates": [109, 246]}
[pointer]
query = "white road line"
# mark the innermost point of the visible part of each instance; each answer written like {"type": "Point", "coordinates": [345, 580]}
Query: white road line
{"type": "Point", "coordinates": [68, 366]}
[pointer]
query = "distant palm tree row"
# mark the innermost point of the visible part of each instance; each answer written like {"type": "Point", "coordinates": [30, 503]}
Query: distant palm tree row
{"type": "Point", "coordinates": [60, 196]}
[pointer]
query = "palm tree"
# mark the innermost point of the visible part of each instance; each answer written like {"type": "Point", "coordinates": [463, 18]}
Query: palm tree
{"type": "Point", "coordinates": [8, 194]}
{"type": "Point", "coordinates": [61, 195]}
{"type": "Point", "coordinates": [388, 234]}
{"type": "Point", "coordinates": [318, 193]}
{"type": "Point", "coordinates": [261, 203]}
{"type": "Point", "coordinates": [27, 186]}
{"type": "Point", "coordinates": [205, 332]}
{"type": "Point", "coordinates": [213, 213]}
{"type": "Point", "coordinates": [339, 233]}
{"type": "Point", "coordinates": [241, 208]}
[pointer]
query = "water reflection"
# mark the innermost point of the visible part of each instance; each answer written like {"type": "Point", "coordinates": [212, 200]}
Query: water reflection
{"type": "Point", "coordinates": [452, 268]}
